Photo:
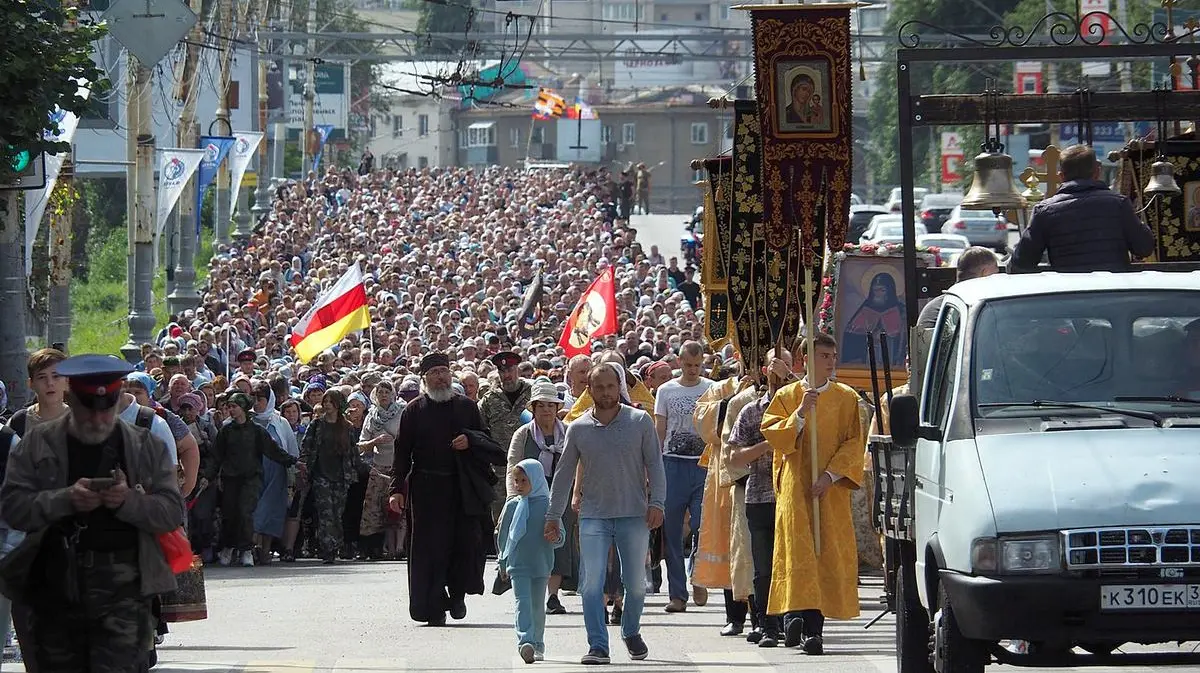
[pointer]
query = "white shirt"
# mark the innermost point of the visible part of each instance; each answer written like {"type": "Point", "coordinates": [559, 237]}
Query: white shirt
{"type": "Point", "coordinates": [158, 428]}
{"type": "Point", "coordinates": [676, 403]}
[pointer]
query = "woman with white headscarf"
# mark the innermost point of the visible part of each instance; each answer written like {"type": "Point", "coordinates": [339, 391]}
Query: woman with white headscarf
{"type": "Point", "coordinates": [271, 512]}
{"type": "Point", "coordinates": [377, 444]}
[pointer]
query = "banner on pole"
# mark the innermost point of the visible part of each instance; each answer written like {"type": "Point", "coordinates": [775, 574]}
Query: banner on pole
{"type": "Point", "coordinates": [323, 131]}
{"type": "Point", "coordinates": [215, 149]}
{"type": "Point", "coordinates": [244, 146]}
{"type": "Point", "coordinates": [175, 168]}
{"type": "Point", "coordinates": [36, 200]}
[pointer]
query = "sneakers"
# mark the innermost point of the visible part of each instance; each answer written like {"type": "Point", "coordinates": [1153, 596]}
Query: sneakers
{"type": "Point", "coordinates": [225, 557]}
{"type": "Point", "coordinates": [769, 639]}
{"type": "Point", "coordinates": [699, 596]}
{"type": "Point", "coordinates": [637, 647]}
{"type": "Point", "coordinates": [733, 629]}
{"type": "Point", "coordinates": [595, 656]}
{"type": "Point", "coordinates": [539, 656]}
{"type": "Point", "coordinates": [676, 605]}
{"type": "Point", "coordinates": [528, 652]}
{"type": "Point", "coordinates": [247, 559]}
{"type": "Point", "coordinates": [793, 633]}
{"type": "Point", "coordinates": [814, 645]}
{"type": "Point", "coordinates": [615, 617]}
{"type": "Point", "coordinates": [554, 606]}
{"type": "Point", "coordinates": [755, 636]}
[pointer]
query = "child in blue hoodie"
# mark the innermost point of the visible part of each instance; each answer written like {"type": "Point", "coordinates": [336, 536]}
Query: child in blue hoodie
{"type": "Point", "coordinates": [526, 556]}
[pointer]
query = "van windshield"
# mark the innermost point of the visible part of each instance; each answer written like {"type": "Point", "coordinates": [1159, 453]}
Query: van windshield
{"type": "Point", "coordinates": [1140, 349]}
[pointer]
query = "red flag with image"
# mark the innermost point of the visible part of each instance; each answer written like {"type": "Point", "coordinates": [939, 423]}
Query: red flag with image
{"type": "Point", "coordinates": [594, 316]}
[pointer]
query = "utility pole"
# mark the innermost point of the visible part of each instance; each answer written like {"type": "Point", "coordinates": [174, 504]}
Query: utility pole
{"type": "Point", "coordinates": [58, 328]}
{"type": "Point", "coordinates": [307, 139]}
{"type": "Point", "coordinates": [222, 126]}
{"type": "Point", "coordinates": [183, 295]}
{"type": "Point", "coordinates": [13, 356]}
{"type": "Point", "coordinates": [262, 173]}
{"type": "Point", "coordinates": [141, 222]}
{"type": "Point", "coordinates": [1126, 69]}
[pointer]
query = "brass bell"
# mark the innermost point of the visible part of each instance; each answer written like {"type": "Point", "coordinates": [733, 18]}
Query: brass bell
{"type": "Point", "coordinates": [992, 188]}
{"type": "Point", "coordinates": [1162, 180]}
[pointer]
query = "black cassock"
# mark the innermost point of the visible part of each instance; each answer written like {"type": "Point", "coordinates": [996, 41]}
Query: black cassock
{"type": "Point", "coordinates": [447, 521]}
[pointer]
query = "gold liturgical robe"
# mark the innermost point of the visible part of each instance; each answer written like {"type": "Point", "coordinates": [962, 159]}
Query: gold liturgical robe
{"type": "Point", "coordinates": [799, 579]}
{"type": "Point", "coordinates": [741, 562]}
{"type": "Point", "coordinates": [713, 556]}
{"type": "Point", "coordinates": [639, 394]}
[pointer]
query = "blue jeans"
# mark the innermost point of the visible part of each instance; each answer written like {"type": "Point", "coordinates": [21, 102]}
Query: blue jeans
{"type": "Point", "coordinates": [685, 492]}
{"type": "Point", "coordinates": [530, 595]}
{"type": "Point", "coordinates": [632, 539]}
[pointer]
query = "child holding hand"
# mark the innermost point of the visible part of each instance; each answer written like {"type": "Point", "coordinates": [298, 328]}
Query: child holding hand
{"type": "Point", "coordinates": [526, 557]}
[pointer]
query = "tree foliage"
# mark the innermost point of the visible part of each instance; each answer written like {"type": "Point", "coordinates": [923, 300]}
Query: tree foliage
{"type": "Point", "coordinates": [435, 17]}
{"type": "Point", "coordinates": [43, 65]}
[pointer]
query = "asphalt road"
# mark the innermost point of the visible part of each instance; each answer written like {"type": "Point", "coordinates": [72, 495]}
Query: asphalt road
{"type": "Point", "coordinates": [347, 618]}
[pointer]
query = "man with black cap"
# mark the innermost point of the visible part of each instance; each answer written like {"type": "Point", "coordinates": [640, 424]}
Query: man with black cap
{"type": "Point", "coordinates": [246, 361]}
{"type": "Point", "coordinates": [93, 494]}
{"type": "Point", "coordinates": [502, 407]}
{"type": "Point", "coordinates": [443, 471]}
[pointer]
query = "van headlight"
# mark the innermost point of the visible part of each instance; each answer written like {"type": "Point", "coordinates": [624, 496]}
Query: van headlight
{"type": "Point", "coordinates": [1016, 555]}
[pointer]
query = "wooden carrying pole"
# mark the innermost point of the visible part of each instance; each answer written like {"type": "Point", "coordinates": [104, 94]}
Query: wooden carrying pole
{"type": "Point", "coordinates": [811, 422]}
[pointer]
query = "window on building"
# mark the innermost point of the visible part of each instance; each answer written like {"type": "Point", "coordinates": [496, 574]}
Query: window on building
{"type": "Point", "coordinates": [664, 17]}
{"type": "Point", "coordinates": [422, 162]}
{"type": "Point", "coordinates": [699, 133]}
{"type": "Point", "coordinates": [628, 134]}
{"type": "Point", "coordinates": [605, 134]}
{"type": "Point", "coordinates": [422, 125]}
{"type": "Point", "coordinates": [725, 13]}
{"type": "Point", "coordinates": [374, 126]}
{"type": "Point", "coordinates": [700, 16]}
{"type": "Point", "coordinates": [699, 175]}
{"type": "Point", "coordinates": [462, 138]}
{"type": "Point", "coordinates": [726, 127]}
{"type": "Point", "coordinates": [397, 126]}
{"type": "Point", "coordinates": [539, 135]}
{"type": "Point", "coordinates": [514, 136]}
{"type": "Point", "coordinates": [481, 134]}
{"type": "Point", "coordinates": [620, 11]}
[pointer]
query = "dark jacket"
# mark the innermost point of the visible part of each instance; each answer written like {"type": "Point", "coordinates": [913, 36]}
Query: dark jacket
{"type": "Point", "coordinates": [36, 494]}
{"type": "Point", "coordinates": [1084, 227]}
{"type": "Point", "coordinates": [475, 474]}
{"type": "Point", "coordinates": [238, 451]}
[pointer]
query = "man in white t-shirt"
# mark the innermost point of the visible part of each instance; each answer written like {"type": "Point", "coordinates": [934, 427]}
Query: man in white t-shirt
{"type": "Point", "coordinates": [674, 404]}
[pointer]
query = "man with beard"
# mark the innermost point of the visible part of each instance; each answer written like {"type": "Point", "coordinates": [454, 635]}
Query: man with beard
{"type": "Point", "coordinates": [94, 494]}
{"type": "Point", "coordinates": [617, 450]}
{"type": "Point", "coordinates": [501, 408]}
{"type": "Point", "coordinates": [443, 473]}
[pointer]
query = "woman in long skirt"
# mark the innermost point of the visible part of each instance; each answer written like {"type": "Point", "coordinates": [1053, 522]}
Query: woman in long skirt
{"type": "Point", "coordinates": [377, 444]}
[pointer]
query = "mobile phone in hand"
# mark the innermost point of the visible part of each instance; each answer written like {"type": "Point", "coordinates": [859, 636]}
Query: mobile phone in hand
{"type": "Point", "coordinates": [101, 483]}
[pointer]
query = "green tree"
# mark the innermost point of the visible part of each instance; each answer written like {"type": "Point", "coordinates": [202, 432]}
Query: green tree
{"type": "Point", "coordinates": [436, 17]}
{"type": "Point", "coordinates": [962, 16]}
{"type": "Point", "coordinates": [43, 66]}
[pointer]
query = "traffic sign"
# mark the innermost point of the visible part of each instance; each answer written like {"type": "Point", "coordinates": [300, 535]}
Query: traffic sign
{"type": "Point", "coordinates": [149, 30]}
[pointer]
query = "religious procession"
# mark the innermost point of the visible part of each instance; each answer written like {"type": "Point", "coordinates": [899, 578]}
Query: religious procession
{"type": "Point", "coordinates": [410, 388]}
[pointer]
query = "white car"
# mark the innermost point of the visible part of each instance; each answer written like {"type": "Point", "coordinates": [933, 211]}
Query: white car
{"type": "Point", "coordinates": [893, 202]}
{"type": "Point", "coordinates": [887, 229]}
{"type": "Point", "coordinates": [951, 246]}
{"type": "Point", "coordinates": [1041, 479]}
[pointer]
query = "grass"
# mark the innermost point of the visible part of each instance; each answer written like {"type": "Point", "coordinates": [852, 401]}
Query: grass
{"type": "Point", "coordinates": [99, 307]}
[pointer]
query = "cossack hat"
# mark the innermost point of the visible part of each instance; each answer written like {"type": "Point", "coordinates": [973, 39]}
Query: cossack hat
{"type": "Point", "coordinates": [432, 361]}
{"type": "Point", "coordinates": [506, 359]}
{"type": "Point", "coordinates": [95, 380]}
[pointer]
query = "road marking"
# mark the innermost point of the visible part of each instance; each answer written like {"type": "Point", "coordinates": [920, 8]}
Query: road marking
{"type": "Point", "coordinates": [352, 665]}
{"type": "Point", "coordinates": [267, 666]}
{"type": "Point", "coordinates": [712, 662]}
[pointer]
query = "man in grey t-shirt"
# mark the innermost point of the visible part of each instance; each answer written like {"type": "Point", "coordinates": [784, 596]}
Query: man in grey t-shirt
{"type": "Point", "coordinates": [617, 448]}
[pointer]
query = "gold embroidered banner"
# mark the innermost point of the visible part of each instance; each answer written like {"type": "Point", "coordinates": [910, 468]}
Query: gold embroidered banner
{"type": "Point", "coordinates": [713, 267]}
{"type": "Point", "coordinates": [747, 246]}
{"type": "Point", "coordinates": [802, 69]}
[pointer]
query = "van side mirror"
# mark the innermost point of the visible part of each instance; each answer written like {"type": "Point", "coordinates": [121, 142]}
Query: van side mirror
{"type": "Point", "coordinates": [905, 420]}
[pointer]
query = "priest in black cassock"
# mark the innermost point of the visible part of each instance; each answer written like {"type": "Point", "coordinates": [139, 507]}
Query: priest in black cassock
{"type": "Point", "coordinates": [443, 478]}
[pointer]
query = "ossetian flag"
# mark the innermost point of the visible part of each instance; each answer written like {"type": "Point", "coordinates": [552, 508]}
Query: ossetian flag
{"type": "Point", "coordinates": [594, 316]}
{"type": "Point", "coordinates": [339, 311]}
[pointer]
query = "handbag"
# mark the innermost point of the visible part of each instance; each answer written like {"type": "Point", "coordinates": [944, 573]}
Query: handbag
{"type": "Point", "coordinates": [177, 550]}
{"type": "Point", "coordinates": [188, 603]}
{"type": "Point", "coordinates": [15, 567]}
{"type": "Point", "coordinates": [502, 583]}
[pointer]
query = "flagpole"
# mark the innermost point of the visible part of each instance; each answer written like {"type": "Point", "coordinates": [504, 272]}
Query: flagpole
{"type": "Point", "coordinates": [228, 347]}
{"type": "Point", "coordinates": [529, 140]}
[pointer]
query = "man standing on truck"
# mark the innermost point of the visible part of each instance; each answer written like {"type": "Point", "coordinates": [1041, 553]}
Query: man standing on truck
{"type": "Point", "coordinates": [1085, 226]}
{"type": "Point", "coordinates": [807, 586]}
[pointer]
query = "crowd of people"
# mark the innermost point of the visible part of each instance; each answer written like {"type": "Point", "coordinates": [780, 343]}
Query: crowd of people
{"type": "Point", "coordinates": [456, 428]}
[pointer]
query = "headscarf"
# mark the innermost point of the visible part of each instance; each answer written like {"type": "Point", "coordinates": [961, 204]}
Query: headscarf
{"type": "Point", "coordinates": [625, 398]}
{"type": "Point", "coordinates": [242, 400]}
{"type": "Point", "coordinates": [379, 416]}
{"type": "Point", "coordinates": [519, 523]}
{"type": "Point", "coordinates": [144, 380]}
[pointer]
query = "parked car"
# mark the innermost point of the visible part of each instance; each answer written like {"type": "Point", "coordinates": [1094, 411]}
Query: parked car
{"type": "Point", "coordinates": [893, 202]}
{"type": "Point", "coordinates": [950, 245]}
{"type": "Point", "coordinates": [860, 219]}
{"type": "Point", "coordinates": [981, 227]}
{"type": "Point", "coordinates": [888, 229]}
{"type": "Point", "coordinates": [936, 208]}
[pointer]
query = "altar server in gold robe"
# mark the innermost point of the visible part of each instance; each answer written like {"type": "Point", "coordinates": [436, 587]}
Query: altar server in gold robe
{"type": "Point", "coordinates": [807, 587]}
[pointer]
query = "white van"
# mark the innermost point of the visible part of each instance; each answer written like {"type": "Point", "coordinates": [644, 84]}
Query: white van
{"type": "Point", "coordinates": [1047, 476]}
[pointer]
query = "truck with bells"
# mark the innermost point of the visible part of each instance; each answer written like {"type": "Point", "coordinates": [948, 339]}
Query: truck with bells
{"type": "Point", "coordinates": [1037, 492]}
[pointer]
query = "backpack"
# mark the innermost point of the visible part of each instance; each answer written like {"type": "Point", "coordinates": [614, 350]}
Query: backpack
{"type": "Point", "coordinates": [145, 417]}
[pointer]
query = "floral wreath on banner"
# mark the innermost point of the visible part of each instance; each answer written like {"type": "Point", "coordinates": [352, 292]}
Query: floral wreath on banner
{"type": "Point", "coordinates": [931, 256]}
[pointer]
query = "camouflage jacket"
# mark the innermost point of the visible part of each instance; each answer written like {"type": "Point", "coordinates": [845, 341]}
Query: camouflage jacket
{"type": "Point", "coordinates": [501, 417]}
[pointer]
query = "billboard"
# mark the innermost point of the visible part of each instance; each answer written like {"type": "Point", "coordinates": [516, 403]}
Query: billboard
{"type": "Point", "coordinates": [332, 102]}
